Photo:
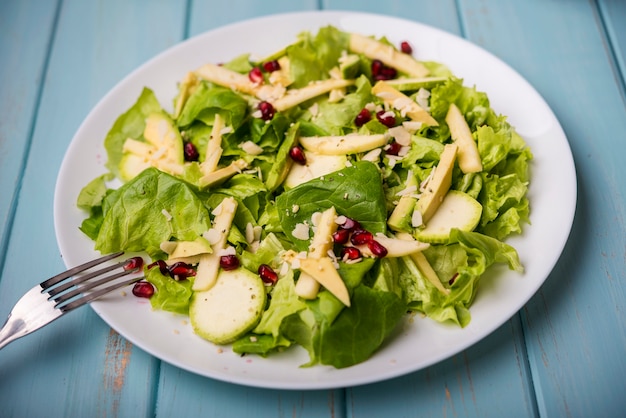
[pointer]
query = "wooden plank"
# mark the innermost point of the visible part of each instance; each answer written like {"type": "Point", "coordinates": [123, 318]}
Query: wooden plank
{"type": "Point", "coordinates": [487, 380]}
{"type": "Point", "coordinates": [613, 13]}
{"type": "Point", "coordinates": [82, 367]}
{"type": "Point", "coordinates": [575, 325]}
{"type": "Point", "coordinates": [21, 23]}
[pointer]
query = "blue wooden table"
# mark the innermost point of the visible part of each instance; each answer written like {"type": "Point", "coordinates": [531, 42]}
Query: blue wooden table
{"type": "Point", "coordinates": [562, 355]}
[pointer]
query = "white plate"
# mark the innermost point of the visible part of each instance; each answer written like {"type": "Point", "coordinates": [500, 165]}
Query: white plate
{"type": "Point", "coordinates": [418, 344]}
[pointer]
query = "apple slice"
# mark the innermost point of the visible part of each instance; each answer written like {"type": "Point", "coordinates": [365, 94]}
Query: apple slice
{"type": "Point", "coordinates": [457, 210]}
{"type": "Point", "coordinates": [317, 165]}
{"type": "Point", "coordinates": [307, 287]}
{"type": "Point", "coordinates": [214, 146]}
{"type": "Point", "coordinates": [209, 264]}
{"type": "Point", "coordinates": [468, 156]}
{"type": "Point", "coordinates": [219, 176]}
{"type": "Point", "coordinates": [439, 184]}
{"type": "Point", "coordinates": [343, 144]}
{"type": "Point", "coordinates": [323, 271]}
{"type": "Point", "coordinates": [294, 97]}
{"type": "Point", "coordinates": [403, 103]}
{"type": "Point", "coordinates": [390, 56]}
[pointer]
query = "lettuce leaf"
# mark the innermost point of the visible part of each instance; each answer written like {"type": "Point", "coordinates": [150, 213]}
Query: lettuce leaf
{"type": "Point", "coordinates": [135, 214]}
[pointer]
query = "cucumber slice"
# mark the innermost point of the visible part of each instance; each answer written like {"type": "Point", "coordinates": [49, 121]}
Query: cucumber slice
{"type": "Point", "coordinates": [229, 309]}
{"type": "Point", "coordinates": [457, 210]}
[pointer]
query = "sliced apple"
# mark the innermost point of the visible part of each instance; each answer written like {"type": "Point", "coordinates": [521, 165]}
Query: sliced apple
{"type": "Point", "coordinates": [185, 249]}
{"type": "Point", "coordinates": [439, 184]}
{"type": "Point", "coordinates": [402, 103]}
{"type": "Point", "coordinates": [294, 97]}
{"type": "Point", "coordinates": [307, 286]}
{"type": "Point", "coordinates": [399, 247]}
{"type": "Point", "coordinates": [214, 146]}
{"type": "Point", "coordinates": [457, 210]}
{"type": "Point", "coordinates": [468, 156]}
{"type": "Point", "coordinates": [219, 176]}
{"type": "Point", "coordinates": [323, 271]}
{"type": "Point", "coordinates": [424, 266]}
{"type": "Point", "coordinates": [399, 220]}
{"type": "Point", "coordinates": [209, 264]}
{"type": "Point", "coordinates": [343, 144]}
{"type": "Point", "coordinates": [224, 77]}
{"type": "Point", "coordinates": [187, 85]}
{"type": "Point", "coordinates": [317, 165]}
{"type": "Point", "coordinates": [390, 56]}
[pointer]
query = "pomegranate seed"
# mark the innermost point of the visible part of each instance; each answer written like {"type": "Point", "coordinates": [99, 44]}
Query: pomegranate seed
{"type": "Point", "coordinates": [271, 66]}
{"type": "Point", "coordinates": [297, 154]}
{"type": "Point", "coordinates": [191, 152]}
{"type": "Point", "coordinates": [451, 281]}
{"type": "Point", "coordinates": [267, 274]}
{"type": "Point", "coordinates": [134, 263]}
{"type": "Point", "coordinates": [362, 118]}
{"type": "Point", "coordinates": [162, 267]}
{"type": "Point", "coordinates": [143, 289]}
{"type": "Point", "coordinates": [256, 75]}
{"type": "Point", "coordinates": [350, 253]}
{"type": "Point", "coordinates": [267, 110]}
{"type": "Point", "coordinates": [386, 73]}
{"type": "Point", "coordinates": [386, 119]}
{"type": "Point", "coordinates": [393, 148]}
{"type": "Point", "coordinates": [377, 66]}
{"type": "Point", "coordinates": [182, 270]}
{"type": "Point", "coordinates": [376, 248]}
{"type": "Point", "coordinates": [406, 47]}
{"type": "Point", "coordinates": [360, 237]}
{"type": "Point", "coordinates": [350, 224]}
{"type": "Point", "coordinates": [229, 262]}
{"type": "Point", "coordinates": [341, 236]}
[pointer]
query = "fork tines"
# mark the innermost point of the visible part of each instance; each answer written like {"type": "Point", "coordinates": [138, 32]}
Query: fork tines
{"type": "Point", "coordinates": [73, 288]}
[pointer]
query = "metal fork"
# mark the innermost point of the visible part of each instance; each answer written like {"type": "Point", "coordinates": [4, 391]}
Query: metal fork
{"type": "Point", "coordinates": [65, 292]}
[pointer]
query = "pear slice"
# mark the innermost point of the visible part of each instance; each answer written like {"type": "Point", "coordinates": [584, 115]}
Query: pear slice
{"type": "Point", "coordinates": [424, 266]}
{"type": "Point", "coordinates": [343, 144]}
{"type": "Point", "coordinates": [294, 97]}
{"type": "Point", "coordinates": [390, 56]}
{"type": "Point", "coordinates": [224, 77]}
{"type": "Point", "coordinates": [439, 184]}
{"type": "Point", "coordinates": [468, 156]}
{"type": "Point", "coordinates": [219, 176]}
{"type": "Point", "coordinates": [209, 264]}
{"type": "Point", "coordinates": [317, 165]}
{"type": "Point", "coordinates": [214, 146]}
{"type": "Point", "coordinates": [190, 248]}
{"type": "Point", "coordinates": [402, 103]}
{"type": "Point", "coordinates": [457, 210]}
{"type": "Point", "coordinates": [307, 287]}
{"type": "Point", "coordinates": [327, 275]}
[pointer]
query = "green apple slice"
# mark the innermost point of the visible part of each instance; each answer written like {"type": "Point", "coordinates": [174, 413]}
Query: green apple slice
{"type": "Point", "coordinates": [457, 210]}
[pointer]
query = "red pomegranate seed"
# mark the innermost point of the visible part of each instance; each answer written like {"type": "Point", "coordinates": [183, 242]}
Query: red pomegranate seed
{"type": "Point", "coordinates": [297, 154]}
{"type": "Point", "coordinates": [393, 148]}
{"type": "Point", "coordinates": [350, 253]}
{"type": "Point", "coordinates": [143, 289]}
{"type": "Point", "coordinates": [162, 267]}
{"type": "Point", "coordinates": [134, 263]}
{"type": "Point", "coordinates": [271, 66]}
{"type": "Point", "coordinates": [451, 281]}
{"type": "Point", "coordinates": [256, 75]}
{"type": "Point", "coordinates": [406, 47]}
{"type": "Point", "coordinates": [181, 270]}
{"type": "Point", "coordinates": [386, 73]}
{"type": "Point", "coordinates": [267, 110]}
{"type": "Point", "coordinates": [386, 119]}
{"type": "Point", "coordinates": [341, 236]}
{"type": "Point", "coordinates": [360, 237]}
{"type": "Point", "coordinates": [350, 224]}
{"type": "Point", "coordinates": [377, 66]}
{"type": "Point", "coordinates": [229, 262]}
{"type": "Point", "coordinates": [191, 152]}
{"type": "Point", "coordinates": [362, 118]}
{"type": "Point", "coordinates": [376, 248]}
{"type": "Point", "coordinates": [267, 274]}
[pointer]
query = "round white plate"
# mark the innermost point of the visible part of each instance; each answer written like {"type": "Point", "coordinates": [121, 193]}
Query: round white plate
{"type": "Point", "coordinates": [420, 342]}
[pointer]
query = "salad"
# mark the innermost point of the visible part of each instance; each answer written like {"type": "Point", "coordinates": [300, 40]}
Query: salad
{"type": "Point", "coordinates": [314, 197]}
